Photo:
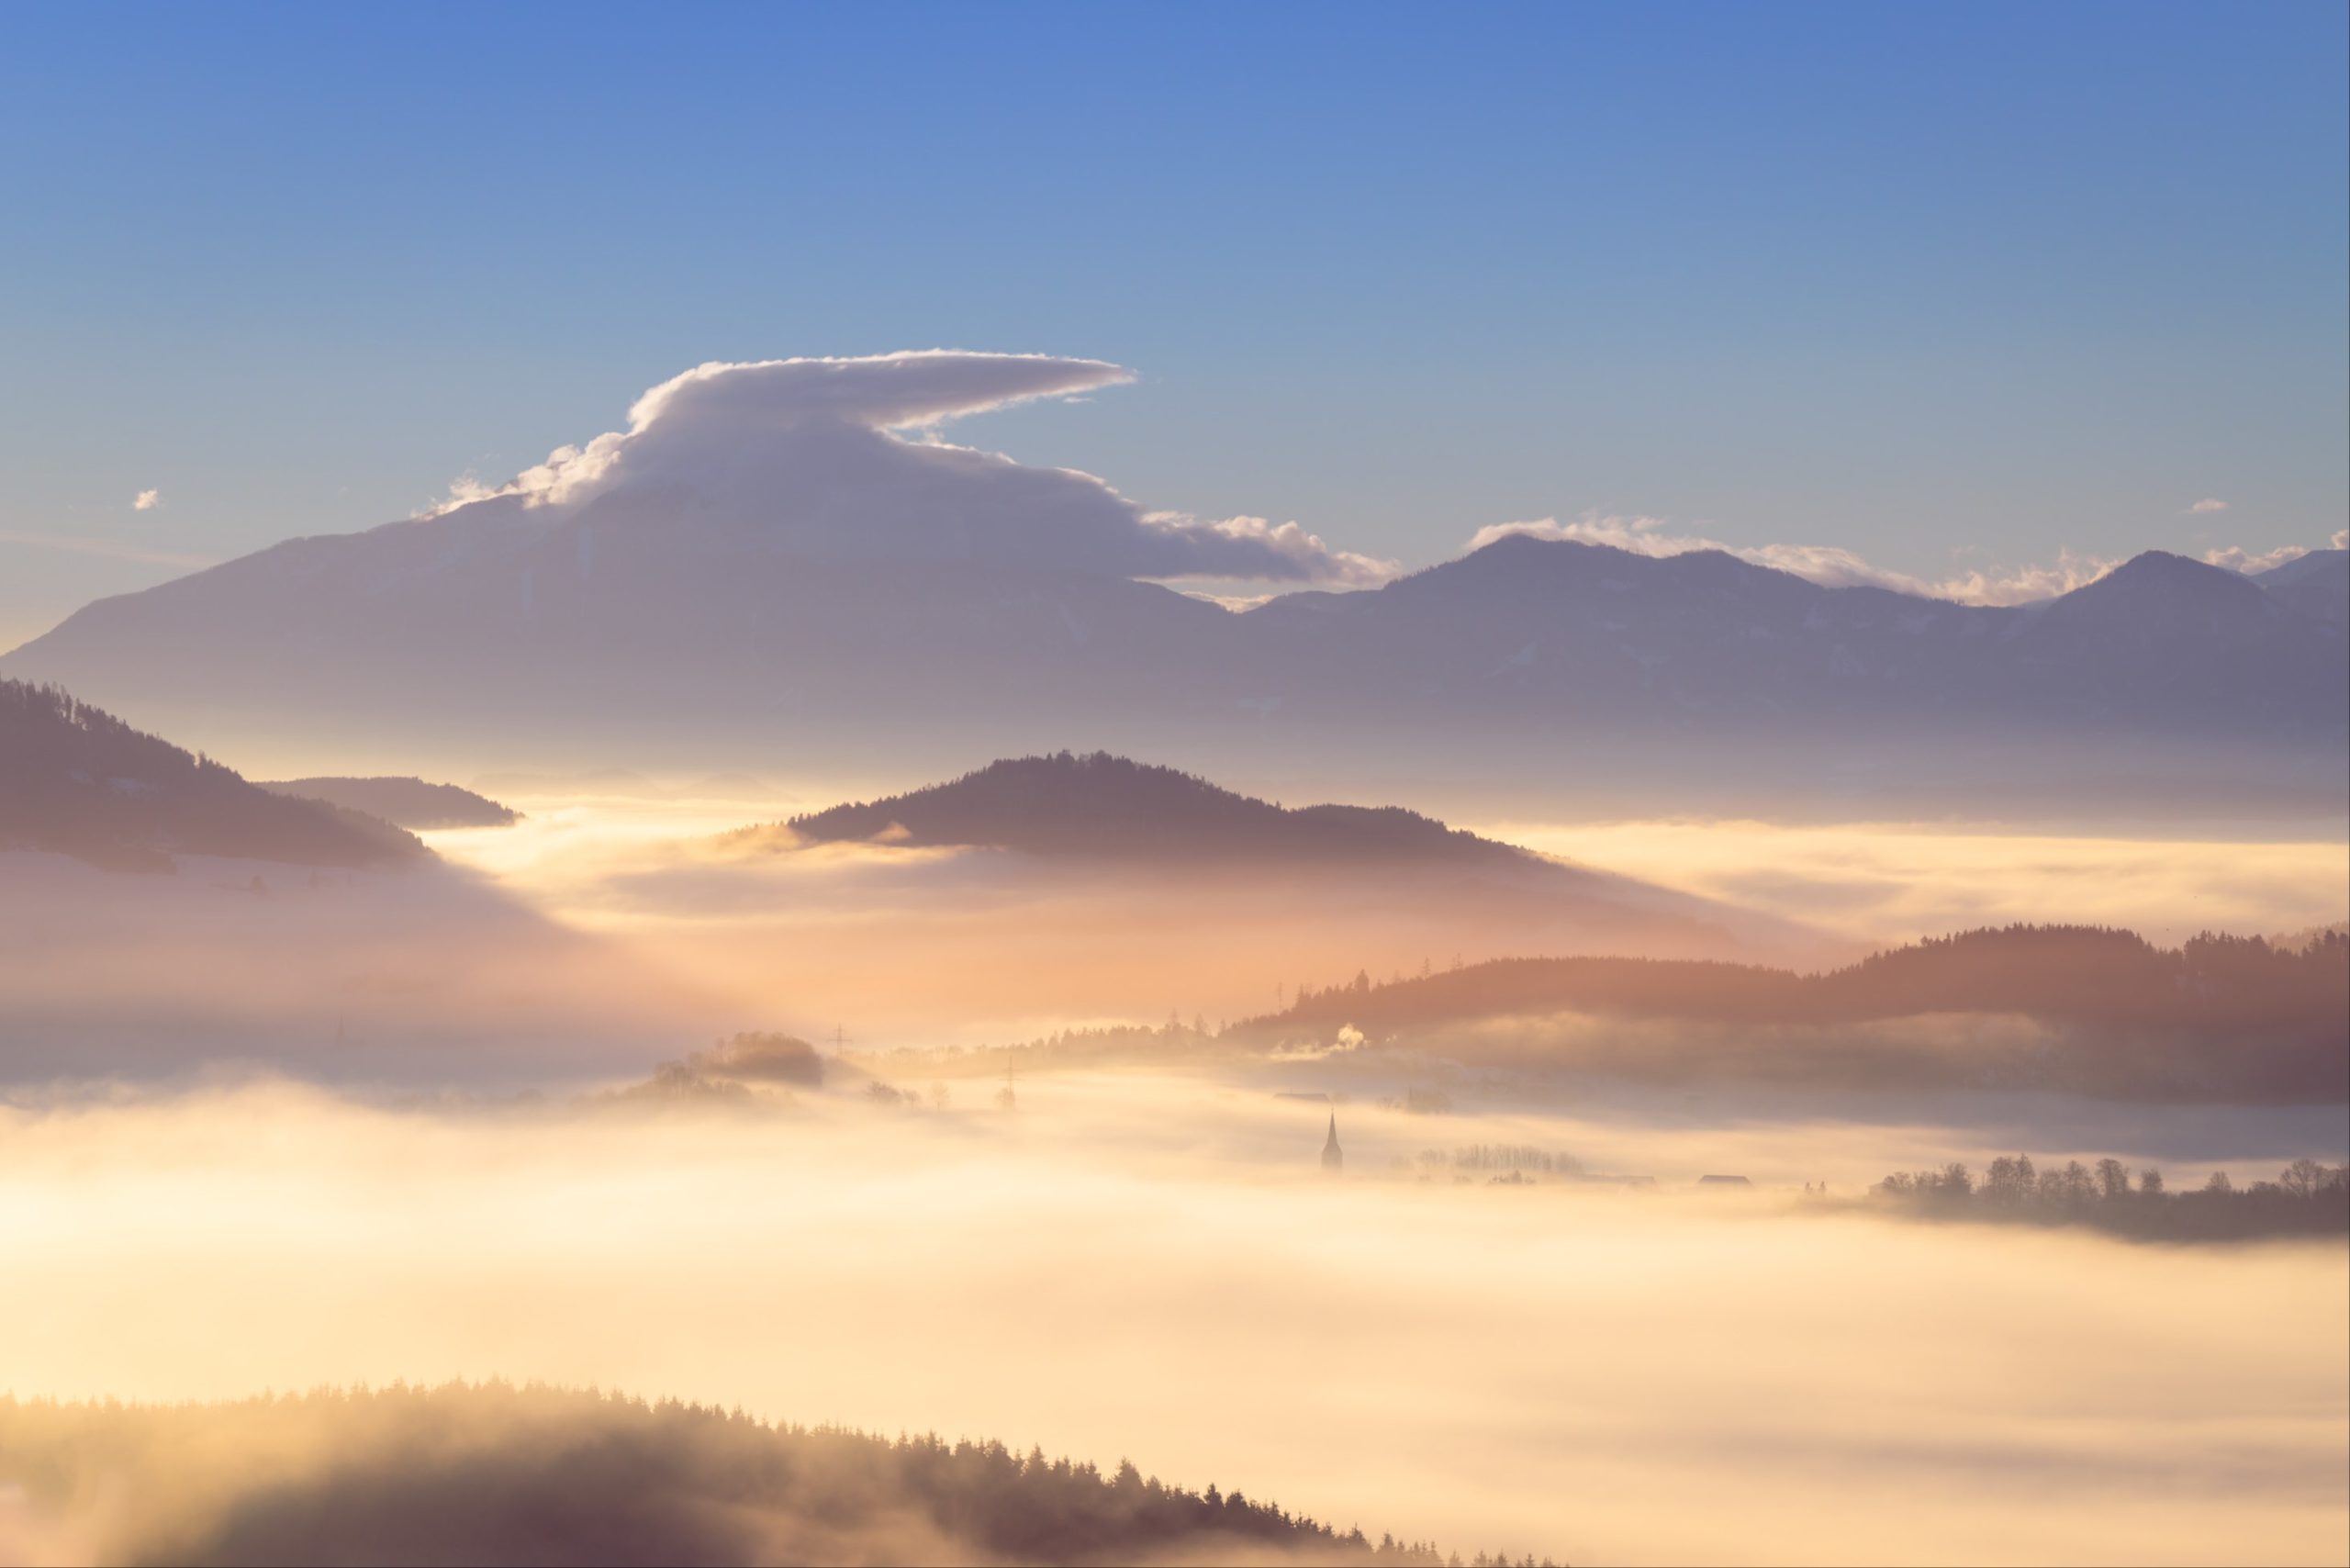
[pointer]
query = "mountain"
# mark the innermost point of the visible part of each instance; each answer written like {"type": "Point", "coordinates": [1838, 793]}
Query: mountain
{"type": "Point", "coordinates": [2316, 584]}
{"type": "Point", "coordinates": [78, 781]}
{"type": "Point", "coordinates": [643, 621]}
{"type": "Point", "coordinates": [407, 802]}
{"type": "Point", "coordinates": [1550, 629]}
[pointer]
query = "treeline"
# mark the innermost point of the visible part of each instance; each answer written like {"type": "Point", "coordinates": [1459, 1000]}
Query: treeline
{"type": "Point", "coordinates": [494, 1473]}
{"type": "Point", "coordinates": [2306, 1199]}
{"type": "Point", "coordinates": [2219, 1017]}
{"type": "Point", "coordinates": [76, 779]}
{"type": "Point", "coordinates": [405, 802]}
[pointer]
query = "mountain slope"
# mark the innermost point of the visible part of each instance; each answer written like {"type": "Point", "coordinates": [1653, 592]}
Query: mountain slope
{"type": "Point", "coordinates": [406, 802]}
{"type": "Point", "coordinates": [76, 779]}
{"type": "Point", "coordinates": [2317, 584]}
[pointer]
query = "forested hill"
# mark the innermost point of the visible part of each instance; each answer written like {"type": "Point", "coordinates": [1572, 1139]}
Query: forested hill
{"type": "Point", "coordinates": [495, 1475]}
{"type": "Point", "coordinates": [410, 802]}
{"type": "Point", "coordinates": [2067, 972]}
{"type": "Point", "coordinates": [78, 781]}
{"type": "Point", "coordinates": [1100, 805]}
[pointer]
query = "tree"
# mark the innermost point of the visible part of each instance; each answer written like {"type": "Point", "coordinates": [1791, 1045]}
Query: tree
{"type": "Point", "coordinates": [2219, 1182]}
{"type": "Point", "coordinates": [2304, 1179]}
{"type": "Point", "coordinates": [2150, 1181]}
{"type": "Point", "coordinates": [2112, 1178]}
{"type": "Point", "coordinates": [2009, 1180]}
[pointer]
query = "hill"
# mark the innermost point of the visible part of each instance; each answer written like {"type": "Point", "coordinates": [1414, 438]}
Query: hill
{"type": "Point", "coordinates": [80, 781]}
{"type": "Point", "coordinates": [494, 1474]}
{"type": "Point", "coordinates": [2220, 1016]}
{"type": "Point", "coordinates": [1102, 805]}
{"type": "Point", "coordinates": [1228, 863]}
{"type": "Point", "coordinates": [406, 802]}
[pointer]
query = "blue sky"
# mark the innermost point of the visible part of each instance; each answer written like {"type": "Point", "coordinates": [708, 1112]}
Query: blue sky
{"type": "Point", "coordinates": [1942, 286]}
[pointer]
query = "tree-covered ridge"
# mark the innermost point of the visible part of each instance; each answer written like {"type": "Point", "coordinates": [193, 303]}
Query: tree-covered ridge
{"type": "Point", "coordinates": [1104, 805]}
{"type": "Point", "coordinates": [406, 801]}
{"type": "Point", "coordinates": [77, 779]}
{"type": "Point", "coordinates": [2066, 1008]}
{"type": "Point", "coordinates": [493, 1473]}
{"type": "Point", "coordinates": [2090, 973]}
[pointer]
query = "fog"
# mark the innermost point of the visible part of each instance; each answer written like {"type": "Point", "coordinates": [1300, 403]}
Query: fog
{"type": "Point", "coordinates": [419, 976]}
{"type": "Point", "coordinates": [908, 945]}
{"type": "Point", "coordinates": [265, 1128]}
{"type": "Point", "coordinates": [1891, 881]}
{"type": "Point", "coordinates": [1153, 1267]}
{"type": "Point", "coordinates": [911, 946]}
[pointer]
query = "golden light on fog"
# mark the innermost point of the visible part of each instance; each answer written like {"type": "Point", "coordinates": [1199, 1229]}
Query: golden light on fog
{"type": "Point", "coordinates": [1152, 1267]}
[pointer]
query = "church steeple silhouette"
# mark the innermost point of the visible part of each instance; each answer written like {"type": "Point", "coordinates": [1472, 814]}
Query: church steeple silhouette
{"type": "Point", "coordinates": [1333, 1158]}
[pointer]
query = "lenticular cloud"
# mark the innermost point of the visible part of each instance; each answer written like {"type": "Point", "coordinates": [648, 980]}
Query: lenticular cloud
{"type": "Point", "coordinates": [807, 453]}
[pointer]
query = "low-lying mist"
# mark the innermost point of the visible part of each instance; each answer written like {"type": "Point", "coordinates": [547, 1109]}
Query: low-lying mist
{"type": "Point", "coordinates": [1153, 1268]}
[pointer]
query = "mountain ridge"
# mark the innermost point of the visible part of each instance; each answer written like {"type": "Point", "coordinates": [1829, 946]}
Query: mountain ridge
{"type": "Point", "coordinates": [643, 618]}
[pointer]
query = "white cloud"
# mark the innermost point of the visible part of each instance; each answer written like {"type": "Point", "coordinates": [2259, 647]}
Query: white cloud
{"type": "Point", "coordinates": [808, 453]}
{"type": "Point", "coordinates": [1829, 565]}
{"type": "Point", "coordinates": [2021, 585]}
{"type": "Point", "coordinates": [147, 500]}
{"type": "Point", "coordinates": [2236, 558]}
{"type": "Point", "coordinates": [2208, 504]}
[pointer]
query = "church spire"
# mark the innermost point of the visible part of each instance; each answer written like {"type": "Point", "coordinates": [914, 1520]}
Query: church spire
{"type": "Point", "coordinates": [1333, 1158]}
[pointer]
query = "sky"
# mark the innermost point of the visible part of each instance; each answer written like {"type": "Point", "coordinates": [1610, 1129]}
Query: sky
{"type": "Point", "coordinates": [1953, 288]}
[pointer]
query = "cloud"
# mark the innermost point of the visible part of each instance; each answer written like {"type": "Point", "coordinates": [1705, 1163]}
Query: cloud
{"type": "Point", "coordinates": [1826, 565]}
{"type": "Point", "coordinates": [147, 500]}
{"type": "Point", "coordinates": [809, 453]}
{"type": "Point", "coordinates": [2236, 558]}
{"type": "Point", "coordinates": [2208, 504]}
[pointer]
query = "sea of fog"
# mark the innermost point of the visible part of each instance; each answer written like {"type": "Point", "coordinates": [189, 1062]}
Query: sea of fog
{"type": "Point", "coordinates": [1155, 1267]}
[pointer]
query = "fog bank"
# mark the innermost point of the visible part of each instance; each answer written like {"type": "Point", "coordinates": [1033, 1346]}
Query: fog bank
{"type": "Point", "coordinates": [1144, 1268]}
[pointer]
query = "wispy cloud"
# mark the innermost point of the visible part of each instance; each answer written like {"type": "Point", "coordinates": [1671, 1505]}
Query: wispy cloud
{"type": "Point", "coordinates": [1826, 565]}
{"type": "Point", "coordinates": [108, 549]}
{"type": "Point", "coordinates": [2236, 558]}
{"type": "Point", "coordinates": [147, 500]}
{"type": "Point", "coordinates": [2208, 504]}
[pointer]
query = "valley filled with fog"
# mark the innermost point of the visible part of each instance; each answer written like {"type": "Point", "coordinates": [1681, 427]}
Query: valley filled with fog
{"type": "Point", "coordinates": [1155, 1267]}
{"type": "Point", "coordinates": [1051, 1171]}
